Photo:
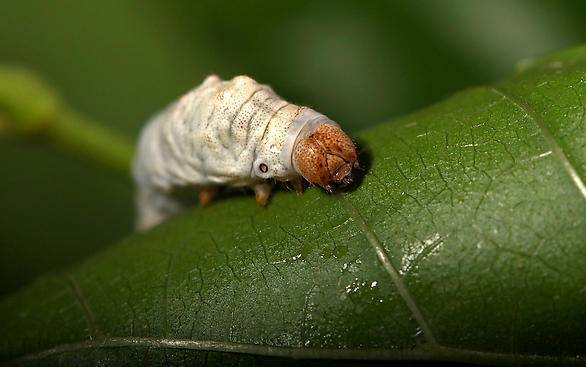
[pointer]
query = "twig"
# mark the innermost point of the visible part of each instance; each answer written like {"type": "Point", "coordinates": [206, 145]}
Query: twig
{"type": "Point", "coordinates": [28, 107]}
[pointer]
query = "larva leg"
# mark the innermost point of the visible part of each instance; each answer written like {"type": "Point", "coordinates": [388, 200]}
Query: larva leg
{"type": "Point", "coordinates": [263, 193]}
{"type": "Point", "coordinates": [207, 195]}
{"type": "Point", "coordinates": [297, 184]}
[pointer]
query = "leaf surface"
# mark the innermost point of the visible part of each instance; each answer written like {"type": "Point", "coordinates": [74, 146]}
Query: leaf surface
{"type": "Point", "coordinates": [465, 241]}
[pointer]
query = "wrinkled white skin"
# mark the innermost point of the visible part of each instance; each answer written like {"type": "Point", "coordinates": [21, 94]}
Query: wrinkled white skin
{"type": "Point", "coordinates": [216, 135]}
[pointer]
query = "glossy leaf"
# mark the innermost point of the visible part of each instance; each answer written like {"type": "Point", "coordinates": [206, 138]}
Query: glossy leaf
{"type": "Point", "coordinates": [465, 241]}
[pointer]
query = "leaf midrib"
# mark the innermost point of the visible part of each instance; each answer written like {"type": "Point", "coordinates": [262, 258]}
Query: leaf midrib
{"type": "Point", "coordinates": [435, 353]}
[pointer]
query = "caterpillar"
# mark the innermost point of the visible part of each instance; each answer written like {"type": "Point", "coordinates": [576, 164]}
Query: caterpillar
{"type": "Point", "coordinates": [234, 133]}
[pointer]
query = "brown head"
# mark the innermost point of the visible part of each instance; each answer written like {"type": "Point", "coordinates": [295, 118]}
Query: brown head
{"type": "Point", "coordinates": [326, 157]}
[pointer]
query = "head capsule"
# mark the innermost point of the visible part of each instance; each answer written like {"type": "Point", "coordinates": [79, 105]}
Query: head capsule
{"type": "Point", "coordinates": [326, 157]}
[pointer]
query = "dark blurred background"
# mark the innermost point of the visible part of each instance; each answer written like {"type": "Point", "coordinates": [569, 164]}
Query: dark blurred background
{"type": "Point", "coordinates": [118, 61]}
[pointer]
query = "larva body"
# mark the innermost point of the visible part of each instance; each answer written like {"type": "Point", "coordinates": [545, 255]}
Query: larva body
{"type": "Point", "coordinates": [230, 133]}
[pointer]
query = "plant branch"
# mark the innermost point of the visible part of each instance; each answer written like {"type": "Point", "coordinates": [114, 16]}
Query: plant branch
{"type": "Point", "coordinates": [28, 107]}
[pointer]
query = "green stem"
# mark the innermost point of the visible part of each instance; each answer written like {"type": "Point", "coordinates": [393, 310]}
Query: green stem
{"type": "Point", "coordinates": [87, 138]}
{"type": "Point", "coordinates": [29, 107]}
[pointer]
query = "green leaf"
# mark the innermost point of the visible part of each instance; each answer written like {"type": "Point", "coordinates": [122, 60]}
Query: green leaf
{"type": "Point", "coordinates": [465, 241]}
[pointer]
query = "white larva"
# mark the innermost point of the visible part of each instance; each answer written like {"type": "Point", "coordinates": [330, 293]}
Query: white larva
{"type": "Point", "coordinates": [233, 133]}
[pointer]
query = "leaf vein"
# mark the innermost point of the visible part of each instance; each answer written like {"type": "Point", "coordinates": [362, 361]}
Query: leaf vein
{"type": "Point", "coordinates": [547, 134]}
{"type": "Point", "coordinates": [94, 331]}
{"type": "Point", "coordinates": [392, 271]}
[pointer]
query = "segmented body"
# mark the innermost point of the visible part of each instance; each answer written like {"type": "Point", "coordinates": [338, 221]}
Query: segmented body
{"type": "Point", "coordinates": [222, 133]}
